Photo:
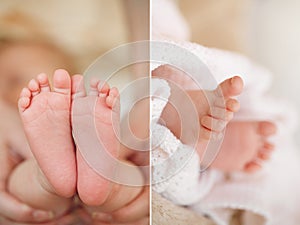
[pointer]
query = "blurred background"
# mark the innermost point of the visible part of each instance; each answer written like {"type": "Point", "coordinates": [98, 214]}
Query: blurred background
{"type": "Point", "coordinates": [42, 36]}
{"type": "Point", "coordinates": [267, 31]}
{"type": "Point", "coordinates": [84, 28]}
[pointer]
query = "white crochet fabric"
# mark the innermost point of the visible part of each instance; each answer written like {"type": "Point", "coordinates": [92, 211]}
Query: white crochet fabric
{"type": "Point", "coordinates": [175, 166]}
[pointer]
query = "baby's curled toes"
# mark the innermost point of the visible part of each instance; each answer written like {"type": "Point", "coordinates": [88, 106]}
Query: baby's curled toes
{"type": "Point", "coordinates": [232, 105]}
{"type": "Point", "coordinates": [112, 98]}
{"type": "Point", "coordinates": [213, 124]}
{"type": "Point", "coordinates": [207, 134]}
{"type": "Point", "coordinates": [224, 112]}
{"type": "Point", "coordinates": [220, 113]}
{"type": "Point", "coordinates": [221, 108]}
{"type": "Point", "coordinates": [222, 98]}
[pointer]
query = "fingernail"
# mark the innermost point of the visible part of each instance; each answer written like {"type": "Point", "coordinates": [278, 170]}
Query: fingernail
{"type": "Point", "coordinates": [42, 215]}
{"type": "Point", "coordinates": [104, 217]}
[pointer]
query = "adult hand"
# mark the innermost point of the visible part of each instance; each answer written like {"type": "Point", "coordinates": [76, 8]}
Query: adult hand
{"type": "Point", "coordinates": [10, 136]}
{"type": "Point", "coordinates": [134, 213]}
{"type": "Point", "coordinates": [144, 221]}
{"type": "Point", "coordinates": [77, 216]}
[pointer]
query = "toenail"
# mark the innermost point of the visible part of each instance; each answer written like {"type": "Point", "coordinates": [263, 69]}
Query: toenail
{"type": "Point", "coordinates": [42, 215]}
{"type": "Point", "coordinates": [234, 84]}
{"type": "Point", "coordinates": [103, 217]}
{"type": "Point", "coordinates": [233, 80]}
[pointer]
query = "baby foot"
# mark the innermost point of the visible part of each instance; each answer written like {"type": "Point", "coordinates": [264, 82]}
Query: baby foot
{"type": "Point", "coordinates": [245, 146]}
{"type": "Point", "coordinates": [215, 114]}
{"type": "Point", "coordinates": [94, 189]}
{"type": "Point", "coordinates": [215, 108]}
{"type": "Point", "coordinates": [46, 118]}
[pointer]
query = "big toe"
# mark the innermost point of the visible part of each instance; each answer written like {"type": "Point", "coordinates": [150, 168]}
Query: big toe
{"type": "Point", "coordinates": [164, 71]}
{"type": "Point", "coordinates": [61, 81]}
{"type": "Point", "coordinates": [230, 87]}
{"type": "Point", "coordinates": [266, 128]}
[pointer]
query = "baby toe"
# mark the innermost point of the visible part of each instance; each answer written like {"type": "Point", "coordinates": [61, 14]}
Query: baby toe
{"type": "Point", "coordinates": [78, 89]}
{"type": "Point", "coordinates": [267, 128]}
{"type": "Point", "coordinates": [33, 86]}
{"type": "Point", "coordinates": [220, 113]}
{"type": "Point", "coordinates": [23, 103]}
{"type": "Point", "coordinates": [264, 155]}
{"type": "Point", "coordinates": [232, 105]}
{"type": "Point", "coordinates": [230, 87]}
{"type": "Point", "coordinates": [62, 82]}
{"type": "Point", "coordinates": [43, 82]}
{"type": "Point", "coordinates": [103, 87]}
{"type": "Point", "coordinates": [112, 97]}
{"type": "Point", "coordinates": [252, 167]}
{"type": "Point", "coordinates": [212, 123]}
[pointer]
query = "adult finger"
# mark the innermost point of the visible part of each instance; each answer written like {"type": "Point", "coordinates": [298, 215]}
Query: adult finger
{"type": "Point", "coordinates": [134, 211]}
{"type": "Point", "coordinates": [10, 207]}
{"type": "Point", "coordinates": [137, 209]}
{"type": "Point", "coordinates": [14, 210]}
{"type": "Point", "coordinates": [72, 218]}
{"type": "Point", "coordinates": [143, 221]}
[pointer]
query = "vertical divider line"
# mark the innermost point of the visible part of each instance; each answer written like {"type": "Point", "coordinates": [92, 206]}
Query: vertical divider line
{"type": "Point", "coordinates": [150, 113]}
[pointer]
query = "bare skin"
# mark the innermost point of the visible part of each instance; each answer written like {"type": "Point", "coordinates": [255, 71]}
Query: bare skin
{"type": "Point", "coordinates": [46, 113]}
{"type": "Point", "coordinates": [107, 196]}
{"type": "Point", "coordinates": [39, 108]}
{"type": "Point", "coordinates": [34, 193]}
{"type": "Point", "coordinates": [11, 139]}
{"type": "Point", "coordinates": [20, 62]}
{"type": "Point", "coordinates": [250, 156]}
{"type": "Point", "coordinates": [248, 142]}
